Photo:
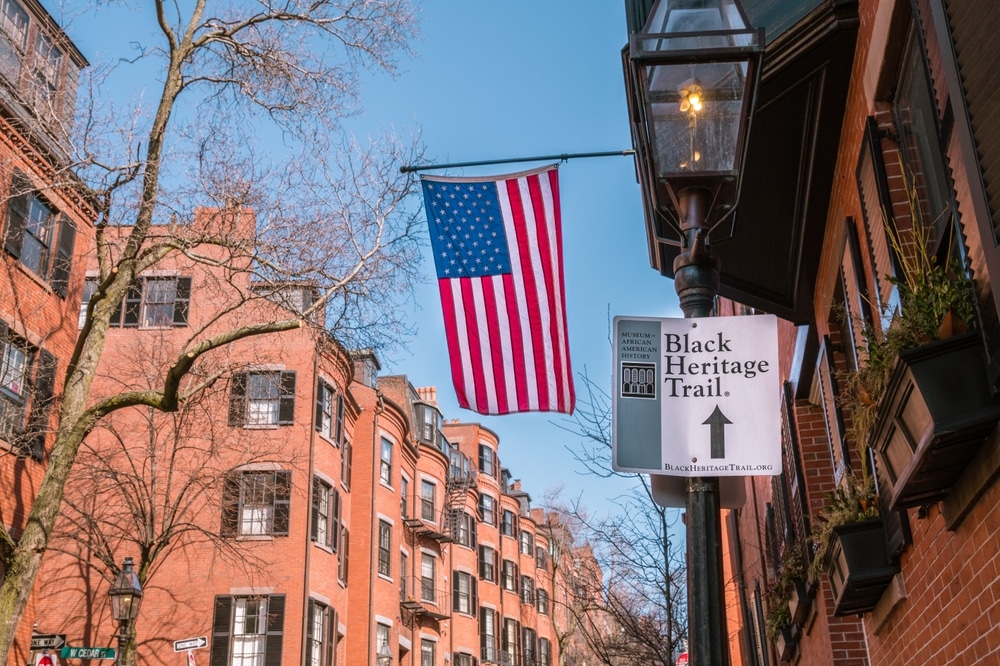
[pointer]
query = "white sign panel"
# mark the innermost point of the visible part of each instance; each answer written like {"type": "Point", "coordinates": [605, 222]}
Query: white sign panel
{"type": "Point", "coordinates": [697, 397]}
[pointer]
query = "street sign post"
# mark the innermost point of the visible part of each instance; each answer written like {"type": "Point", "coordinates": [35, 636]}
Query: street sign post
{"type": "Point", "coordinates": [88, 653]}
{"type": "Point", "coordinates": [47, 641]}
{"type": "Point", "coordinates": [697, 397]}
{"type": "Point", "coordinates": [191, 644]}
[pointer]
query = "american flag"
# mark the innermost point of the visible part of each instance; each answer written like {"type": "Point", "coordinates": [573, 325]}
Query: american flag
{"type": "Point", "coordinates": [497, 247]}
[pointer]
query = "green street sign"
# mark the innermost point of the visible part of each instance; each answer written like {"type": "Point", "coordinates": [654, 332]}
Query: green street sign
{"type": "Point", "coordinates": [87, 653]}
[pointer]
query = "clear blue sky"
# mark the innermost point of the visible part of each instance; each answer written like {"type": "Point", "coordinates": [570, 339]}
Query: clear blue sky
{"type": "Point", "coordinates": [496, 79]}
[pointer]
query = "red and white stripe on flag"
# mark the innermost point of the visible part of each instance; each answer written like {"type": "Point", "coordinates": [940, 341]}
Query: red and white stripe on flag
{"type": "Point", "coordinates": [497, 246]}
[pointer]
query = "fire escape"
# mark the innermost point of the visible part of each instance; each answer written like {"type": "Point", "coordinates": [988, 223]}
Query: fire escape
{"type": "Point", "coordinates": [419, 593]}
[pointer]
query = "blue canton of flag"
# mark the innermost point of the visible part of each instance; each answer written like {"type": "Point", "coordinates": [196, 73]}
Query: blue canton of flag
{"type": "Point", "coordinates": [466, 229]}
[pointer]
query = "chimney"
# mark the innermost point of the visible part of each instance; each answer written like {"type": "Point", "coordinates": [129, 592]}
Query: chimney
{"type": "Point", "coordinates": [428, 394]}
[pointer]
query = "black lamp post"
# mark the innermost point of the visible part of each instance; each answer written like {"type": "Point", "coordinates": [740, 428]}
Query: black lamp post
{"type": "Point", "coordinates": [690, 78]}
{"type": "Point", "coordinates": [126, 597]}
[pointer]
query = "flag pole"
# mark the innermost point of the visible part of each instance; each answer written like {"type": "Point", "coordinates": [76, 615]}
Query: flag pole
{"type": "Point", "coordinates": [410, 168]}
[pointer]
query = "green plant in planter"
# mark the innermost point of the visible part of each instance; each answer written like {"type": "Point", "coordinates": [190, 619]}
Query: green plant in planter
{"type": "Point", "coordinates": [937, 300]}
{"type": "Point", "coordinates": [793, 568]}
{"type": "Point", "coordinates": [853, 501]}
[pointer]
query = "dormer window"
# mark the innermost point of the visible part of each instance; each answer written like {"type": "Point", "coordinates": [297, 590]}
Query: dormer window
{"type": "Point", "coordinates": [13, 37]}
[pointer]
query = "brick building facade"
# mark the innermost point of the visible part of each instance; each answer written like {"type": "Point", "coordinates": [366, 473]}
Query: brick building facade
{"type": "Point", "coordinates": [45, 231]}
{"type": "Point", "coordinates": [300, 509]}
{"type": "Point", "coordinates": [911, 150]}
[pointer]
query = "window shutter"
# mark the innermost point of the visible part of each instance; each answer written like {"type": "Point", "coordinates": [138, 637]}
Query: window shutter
{"type": "Point", "coordinates": [318, 417]}
{"type": "Point", "coordinates": [454, 590]}
{"type": "Point", "coordinates": [231, 503]}
{"type": "Point", "coordinates": [182, 301]}
{"type": "Point", "coordinates": [314, 514]}
{"type": "Point", "coordinates": [345, 545]}
{"type": "Point", "coordinates": [275, 630]}
{"type": "Point", "coordinates": [338, 434]}
{"type": "Point", "coordinates": [64, 256]}
{"type": "Point", "coordinates": [133, 303]}
{"type": "Point", "coordinates": [346, 455]}
{"type": "Point", "coordinates": [238, 400]}
{"type": "Point", "coordinates": [334, 519]}
{"type": "Point", "coordinates": [310, 610]}
{"type": "Point", "coordinates": [221, 626]}
{"type": "Point", "coordinates": [17, 213]}
{"type": "Point", "coordinates": [483, 645]}
{"type": "Point", "coordinates": [482, 563]}
{"type": "Point", "coordinates": [331, 641]}
{"type": "Point", "coordinates": [286, 405]}
{"type": "Point", "coordinates": [474, 599]}
{"type": "Point", "coordinates": [41, 404]}
{"type": "Point", "coordinates": [282, 502]}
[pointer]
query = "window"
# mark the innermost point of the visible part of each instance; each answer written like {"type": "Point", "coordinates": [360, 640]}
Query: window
{"type": "Point", "coordinates": [508, 576]}
{"type": "Point", "coordinates": [488, 634]}
{"type": "Point", "coordinates": [37, 236]}
{"type": "Point", "coordinates": [488, 564]}
{"type": "Point", "coordinates": [247, 631]}
{"type": "Point", "coordinates": [89, 289]}
{"type": "Point", "coordinates": [384, 547]}
{"type": "Point", "coordinates": [462, 659]}
{"type": "Point", "coordinates": [427, 578]}
{"type": "Point", "coordinates": [508, 640]}
{"type": "Point", "coordinates": [404, 561]}
{"type": "Point", "coordinates": [325, 514]}
{"type": "Point", "coordinates": [427, 490]}
{"type": "Point", "coordinates": [527, 543]}
{"type": "Point", "coordinates": [528, 646]}
{"type": "Point", "coordinates": [486, 460]}
{"type": "Point", "coordinates": [150, 302]}
{"type": "Point", "coordinates": [346, 460]}
{"type": "Point", "coordinates": [544, 652]}
{"type": "Point", "coordinates": [13, 38]}
{"type": "Point", "coordinates": [487, 510]}
{"type": "Point", "coordinates": [404, 497]}
{"type": "Point", "coordinates": [463, 592]}
{"type": "Point", "coordinates": [256, 503]}
{"type": "Point", "coordinates": [262, 399]}
{"type": "Point", "coordinates": [18, 360]}
{"type": "Point", "coordinates": [385, 464]}
{"type": "Point", "coordinates": [330, 413]}
{"type": "Point", "coordinates": [527, 590]}
{"type": "Point", "coordinates": [465, 528]}
{"type": "Point", "coordinates": [381, 637]}
{"type": "Point", "coordinates": [426, 652]}
{"type": "Point", "coordinates": [541, 557]}
{"type": "Point", "coordinates": [325, 397]}
{"type": "Point", "coordinates": [47, 64]}
{"type": "Point", "coordinates": [542, 601]}
{"type": "Point", "coordinates": [509, 525]}
{"type": "Point", "coordinates": [320, 639]}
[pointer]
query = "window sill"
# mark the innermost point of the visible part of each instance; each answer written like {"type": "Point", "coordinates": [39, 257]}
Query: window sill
{"type": "Point", "coordinates": [324, 547]}
{"type": "Point", "coordinates": [387, 579]}
{"type": "Point", "coordinates": [255, 537]}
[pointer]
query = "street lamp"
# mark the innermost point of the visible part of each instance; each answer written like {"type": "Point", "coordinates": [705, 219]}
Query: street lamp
{"type": "Point", "coordinates": [384, 655]}
{"type": "Point", "coordinates": [690, 79]}
{"type": "Point", "coordinates": [126, 597]}
{"type": "Point", "coordinates": [691, 75]}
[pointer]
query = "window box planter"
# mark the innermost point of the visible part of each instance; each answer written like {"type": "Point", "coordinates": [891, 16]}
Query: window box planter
{"type": "Point", "coordinates": [785, 644]}
{"type": "Point", "coordinates": [800, 601]}
{"type": "Point", "coordinates": [858, 565]}
{"type": "Point", "coordinates": [935, 414]}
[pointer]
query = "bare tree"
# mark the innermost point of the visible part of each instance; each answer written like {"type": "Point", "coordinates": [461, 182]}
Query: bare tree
{"type": "Point", "coordinates": [328, 210]}
{"type": "Point", "coordinates": [638, 612]}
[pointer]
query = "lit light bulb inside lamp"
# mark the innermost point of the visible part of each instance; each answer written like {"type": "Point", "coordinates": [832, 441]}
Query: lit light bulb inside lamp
{"type": "Point", "coordinates": [690, 96]}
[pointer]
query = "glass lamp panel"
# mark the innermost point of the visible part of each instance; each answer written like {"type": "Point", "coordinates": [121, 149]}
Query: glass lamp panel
{"type": "Point", "coordinates": [694, 114]}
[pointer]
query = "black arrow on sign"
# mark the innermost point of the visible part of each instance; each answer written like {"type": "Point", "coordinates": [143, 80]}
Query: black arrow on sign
{"type": "Point", "coordinates": [718, 422]}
